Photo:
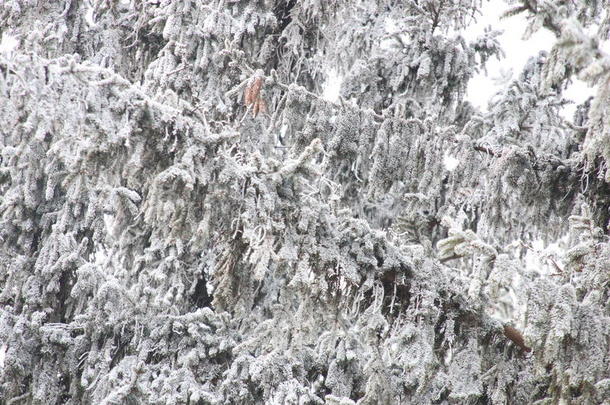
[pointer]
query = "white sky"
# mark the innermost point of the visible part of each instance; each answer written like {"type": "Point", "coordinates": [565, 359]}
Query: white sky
{"type": "Point", "coordinates": [517, 51]}
{"type": "Point", "coordinates": [8, 43]}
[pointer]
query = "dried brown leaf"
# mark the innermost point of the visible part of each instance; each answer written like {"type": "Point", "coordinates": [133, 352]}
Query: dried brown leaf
{"type": "Point", "coordinates": [253, 90]}
{"type": "Point", "coordinates": [516, 337]}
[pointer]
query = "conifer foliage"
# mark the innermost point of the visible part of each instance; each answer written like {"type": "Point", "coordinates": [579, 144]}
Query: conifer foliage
{"type": "Point", "coordinates": [185, 219]}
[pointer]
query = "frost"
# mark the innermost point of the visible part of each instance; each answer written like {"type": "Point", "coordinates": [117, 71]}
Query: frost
{"type": "Point", "coordinates": [291, 202]}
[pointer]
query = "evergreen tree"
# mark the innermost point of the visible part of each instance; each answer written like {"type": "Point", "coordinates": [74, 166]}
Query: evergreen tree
{"type": "Point", "coordinates": [184, 219]}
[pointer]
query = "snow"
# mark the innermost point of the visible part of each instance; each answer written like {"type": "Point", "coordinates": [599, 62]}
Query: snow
{"type": "Point", "coordinates": [314, 274]}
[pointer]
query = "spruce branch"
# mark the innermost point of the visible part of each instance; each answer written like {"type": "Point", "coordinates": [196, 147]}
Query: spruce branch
{"type": "Point", "coordinates": [293, 165]}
